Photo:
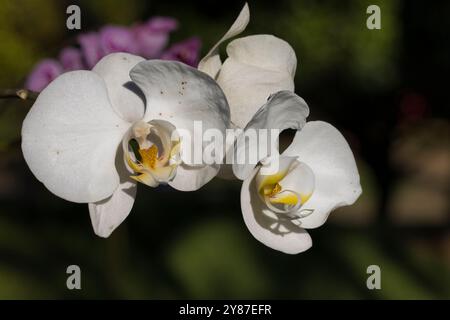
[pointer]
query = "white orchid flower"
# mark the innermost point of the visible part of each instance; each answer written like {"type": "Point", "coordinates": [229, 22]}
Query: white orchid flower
{"type": "Point", "coordinates": [316, 174]}
{"type": "Point", "coordinates": [78, 137]}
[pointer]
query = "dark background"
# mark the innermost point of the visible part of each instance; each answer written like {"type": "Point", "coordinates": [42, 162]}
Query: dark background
{"type": "Point", "coordinates": [386, 90]}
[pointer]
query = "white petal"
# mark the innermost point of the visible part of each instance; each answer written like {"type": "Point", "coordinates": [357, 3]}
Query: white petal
{"type": "Point", "coordinates": [180, 94]}
{"type": "Point", "coordinates": [193, 178]}
{"type": "Point", "coordinates": [323, 148]}
{"type": "Point", "coordinates": [264, 51]}
{"type": "Point", "coordinates": [108, 214]}
{"type": "Point", "coordinates": [257, 66]}
{"type": "Point", "coordinates": [211, 63]}
{"type": "Point", "coordinates": [70, 138]}
{"type": "Point", "coordinates": [283, 110]}
{"type": "Point", "coordinates": [185, 97]}
{"type": "Point", "coordinates": [125, 96]}
{"type": "Point", "coordinates": [277, 234]}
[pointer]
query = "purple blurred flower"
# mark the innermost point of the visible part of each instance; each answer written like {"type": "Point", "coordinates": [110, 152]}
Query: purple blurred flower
{"type": "Point", "coordinates": [71, 59]}
{"type": "Point", "coordinates": [90, 47]}
{"type": "Point", "coordinates": [148, 40]}
{"type": "Point", "coordinates": [152, 37]}
{"type": "Point", "coordinates": [186, 51]}
{"type": "Point", "coordinates": [162, 24]}
{"type": "Point", "coordinates": [117, 39]}
{"type": "Point", "coordinates": [149, 44]}
{"type": "Point", "coordinates": [43, 73]}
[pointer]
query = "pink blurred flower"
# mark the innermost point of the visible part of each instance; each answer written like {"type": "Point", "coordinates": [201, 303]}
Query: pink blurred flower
{"type": "Point", "coordinates": [90, 47]}
{"type": "Point", "coordinates": [162, 24]}
{"type": "Point", "coordinates": [149, 44]}
{"type": "Point", "coordinates": [152, 37]}
{"type": "Point", "coordinates": [71, 59]}
{"type": "Point", "coordinates": [186, 51]}
{"type": "Point", "coordinates": [43, 73]}
{"type": "Point", "coordinates": [148, 39]}
{"type": "Point", "coordinates": [117, 39]}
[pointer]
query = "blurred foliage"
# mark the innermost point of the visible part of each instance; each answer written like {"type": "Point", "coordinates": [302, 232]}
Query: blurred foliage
{"type": "Point", "coordinates": [197, 261]}
{"type": "Point", "coordinates": [27, 28]}
{"type": "Point", "coordinates": [11, 117]}
{"type": "Point", "coordinates": [364, 211]}
{"type": "Point", "coordinates": [195, 245]}
{"type": "Point", "coordinates": [336, 40]}
{"type": "Point", "coordinates": [112, 11]}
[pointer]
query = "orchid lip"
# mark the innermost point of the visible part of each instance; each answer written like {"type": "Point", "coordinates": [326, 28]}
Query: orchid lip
{"type": "Point", "coordinates": [285, 192]}
{"type": "Point", "coordinates": [150, 153]}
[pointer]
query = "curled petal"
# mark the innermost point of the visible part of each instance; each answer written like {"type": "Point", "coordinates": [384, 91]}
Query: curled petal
{"type": "Point", "coordinates": [211, 63]}
{"type": "Point", "coordinates": [126, 98]}
{"type": "Point", "coordinates": [323, 148]}
{"type": "Point", "coordinates": [70, 138]}
{"type": "Point", "coordinates": [283, 110]}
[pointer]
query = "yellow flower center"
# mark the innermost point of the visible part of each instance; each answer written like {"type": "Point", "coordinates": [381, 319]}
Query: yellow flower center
{"type": "Point", "coordinates": [150, 164]}
{"type": "Point", "coordinates": [149, 156]}
{"type": "Point", "coordinates": [282, 192]}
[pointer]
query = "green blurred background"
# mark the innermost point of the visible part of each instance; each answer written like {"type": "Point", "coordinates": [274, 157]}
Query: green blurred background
{"type": "Point", "coordinates": [386, 90]}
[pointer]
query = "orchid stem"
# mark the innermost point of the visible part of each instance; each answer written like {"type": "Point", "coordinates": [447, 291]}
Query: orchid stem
{"type": "Point", "coordinates": [23, 94]}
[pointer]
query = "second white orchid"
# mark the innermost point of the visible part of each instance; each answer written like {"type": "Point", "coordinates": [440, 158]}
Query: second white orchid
{"type": "Point", "coordinates": [316, 174]}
